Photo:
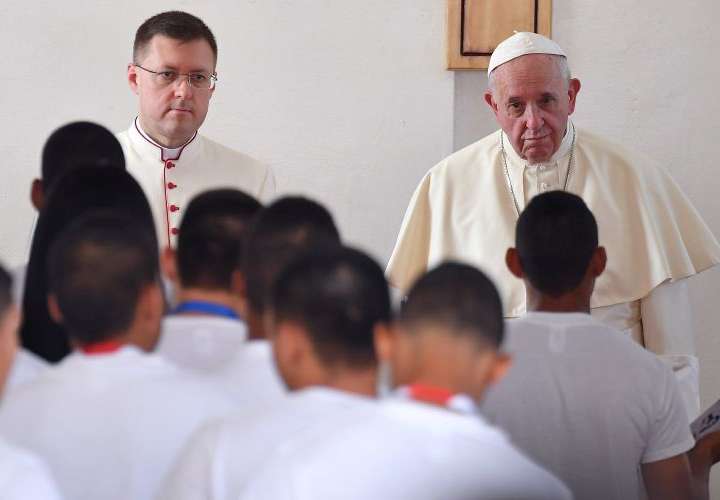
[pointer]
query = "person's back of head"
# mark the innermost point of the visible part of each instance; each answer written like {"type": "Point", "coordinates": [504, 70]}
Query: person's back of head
{"type": "Point", "coordinates": [557, 252]}
{"type": "Point", "coordinates": [103, 281]}
{"type": "Point", "coordinates": [80, 191]}
{"type": "Point", "coordinates": [9, 319]}
{"type": "Point", "coordinates": [211, 242]}
{"type": "Point", "coordinates": [77, 144]}
{"type": "Point", "coordinates": [280, 233]}
{"type": "Point", "coordinates": [325, 308]}
{"type": "Point", "coordinates": [448, 332]}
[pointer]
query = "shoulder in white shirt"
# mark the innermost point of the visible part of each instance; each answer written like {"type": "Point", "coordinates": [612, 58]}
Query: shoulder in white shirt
{"type": "Point", "coordinates": [109, 425]}
{"type": "Point", "coordinates": [588, 403]}
{"type": "Point", "coordinates": [25, 368]}
{"type": "Point", "coordinates": [23, 476]}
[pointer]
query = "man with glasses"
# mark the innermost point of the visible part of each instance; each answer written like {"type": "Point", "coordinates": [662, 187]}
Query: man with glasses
{"type": "Point", "coordinates": [174, 75]}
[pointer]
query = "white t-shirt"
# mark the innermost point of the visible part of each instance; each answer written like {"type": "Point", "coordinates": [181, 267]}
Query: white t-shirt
{"type": "Point", "coordinates": [109, 425]}
{"type": "Point", "coordinates": [23, 476]}
{"type": "Point", "coordinates": [225, 454]}
{"type": "Point", "coordinates": [406, 450]}
{"type": "Point", "coordinates": [588, 403]}
{"type": "Point", "coordinates": [25, 368]}
{"type": "Point", "coordinates": [201, 343]}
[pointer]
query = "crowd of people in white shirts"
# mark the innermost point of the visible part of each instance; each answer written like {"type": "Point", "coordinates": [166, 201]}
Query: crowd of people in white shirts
{"type": "Point", "coordinates": [262, 359]}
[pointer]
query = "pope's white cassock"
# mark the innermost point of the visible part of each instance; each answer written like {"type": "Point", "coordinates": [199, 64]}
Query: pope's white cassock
{"type": "Point", "coordinates": [173, 177]}
{"type": "Point", "coordinates": [464, 209]}
{"type": "Point", "coordinates": [405, 450]}
{"type": "Point", "coordinates": [109, 425]}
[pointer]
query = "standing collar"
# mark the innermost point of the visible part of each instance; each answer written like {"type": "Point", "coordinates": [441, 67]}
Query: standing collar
{"type": "Point", "coordinates": [137, 132]}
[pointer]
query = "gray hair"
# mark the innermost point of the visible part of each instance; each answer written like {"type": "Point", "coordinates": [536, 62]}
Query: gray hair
{"type": "Point", "coordinates": [560, 62]}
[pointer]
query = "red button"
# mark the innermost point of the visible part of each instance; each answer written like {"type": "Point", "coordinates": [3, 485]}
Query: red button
{"type": "Point", "coordinates": [174, 208]}
{"type": "Point", "coordinates": [174, 230]}
{"type": "Point", "coordinates": [171, 185]}
{"type": "Point", "coordinates": [169, 165]}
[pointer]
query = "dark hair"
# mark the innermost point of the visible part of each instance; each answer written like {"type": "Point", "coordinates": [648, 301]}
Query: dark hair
{"type": "Point", "coordinates": [78, 192]}
{"type": "Point", "coordinates": [6, 298]}
{"type": "Point", "coordinates": [176, 25]}
{"type": "Point", "coordinates": [79, 144]}
{"type": "Point", "coordinates": [337, 296]}
{"type": "Point", "coordinates": [458, 297]}
{"type": "Point", "coordinates": [97, 269]}
{"type": "Point", "coordinates": [280, 233]}
{"type": "Point", "coordinates": [556, 236]}
{"type": "Point", "coordinates": [212, 237]}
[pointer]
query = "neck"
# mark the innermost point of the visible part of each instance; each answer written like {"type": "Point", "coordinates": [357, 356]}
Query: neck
{"type": "Point", "coordinates": [162, 140]}
{"type": "Point", "coordinates": [256, 328]}
{"type": "Point", "coordinates": [354, 381]}
{"type": "Point", "coordinates": [572, 302]}
{"type": "Point", "coordinates": [219, 297]}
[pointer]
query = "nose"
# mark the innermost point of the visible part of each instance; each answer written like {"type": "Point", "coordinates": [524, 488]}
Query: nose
{"type": "Point", "coordinates": [183, 89]}
{"type": "Point", "coordinates": [533, 117]}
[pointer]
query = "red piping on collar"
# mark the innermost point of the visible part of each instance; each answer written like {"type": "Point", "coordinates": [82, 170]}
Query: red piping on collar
{"type": "Point", "coordinates": [148, 139]}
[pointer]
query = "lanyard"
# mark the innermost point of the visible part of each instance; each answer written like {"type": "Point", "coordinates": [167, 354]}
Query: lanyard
{"type": "Point", "coordinates": [106, 347]}
{"type": "Point", "coordinates": [201, 306]}
{"type": "Point", "coordinates": [440, 396]}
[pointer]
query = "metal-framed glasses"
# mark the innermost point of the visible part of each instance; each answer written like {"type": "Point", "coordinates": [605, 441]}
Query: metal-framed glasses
{"type": "Point", "coordinates": [197, 80]}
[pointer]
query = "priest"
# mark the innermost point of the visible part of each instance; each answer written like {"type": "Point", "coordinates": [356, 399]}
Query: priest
{"type": "Point", "coordinates": [466, 207]}
{"type": "Point", "coordinates": [174, 76]}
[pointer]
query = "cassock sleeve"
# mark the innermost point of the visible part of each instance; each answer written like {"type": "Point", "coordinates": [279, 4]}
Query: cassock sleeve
{"type": "Point", "coordinates": [668, 332]}
{"type": "Point", "coordinates": [412, 249]}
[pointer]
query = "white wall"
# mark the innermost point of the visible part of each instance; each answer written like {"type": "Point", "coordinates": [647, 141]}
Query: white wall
{"type": "Point", "coordinates": [650, 81]}
{"type": "Point", "coordinates": [348, 101]}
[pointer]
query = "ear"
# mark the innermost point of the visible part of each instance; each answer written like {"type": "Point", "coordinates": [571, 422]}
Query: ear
{"type": "Point", "coordinates": [132, 77]}
{"type": "Point", "coordinates": [500, 367]}
{"type": "Point", "coordinates": [54, 309]}
{"type": "Point", "coordinates": [383, 338]}
{"type": "Point", "coordinates": [37, 194]}
{"type": "Point", "coordinates": [168, 265]}
{"type": "Point", "coordinates": [512, 261]}
{"type": "Point", "coordinates": [490, 100]}
{"type": "Point", "coordinates": [598, 261]}
{"type": "Point", "coordinates": [573, 91]}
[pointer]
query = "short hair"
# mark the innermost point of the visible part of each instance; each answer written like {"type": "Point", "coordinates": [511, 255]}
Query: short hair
{"type": "Point", "coordinates": [556, 236]}
{"type": "Point", "coordinates": [78, 192]}
{"type": "Point", "coordinates": [212, 238]}
{"type": "Point", "coordinates": [280, 233]}
{"type": "Point", "coordinates": [173, 24]}
{"type": "Point", "coordinates": [97, 269]}
{"type": "Point", "coordinates": [338, 297]}
{"type": "Point", "coordinates": [6, 297]}
{"type": "Point", "coordinates": [459, 298]}
{"type": "Point", "coordinates": [561, 63]}
{"type": "Point", "coordinates": [79, 144]}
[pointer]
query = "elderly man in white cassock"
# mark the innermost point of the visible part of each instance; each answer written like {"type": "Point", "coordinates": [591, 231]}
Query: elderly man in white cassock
{"type": "Point", "coordinates": [467, 205]}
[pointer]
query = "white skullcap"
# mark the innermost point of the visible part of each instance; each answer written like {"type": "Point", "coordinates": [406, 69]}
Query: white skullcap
{"type": "Point", "coordinates": [522, 44]}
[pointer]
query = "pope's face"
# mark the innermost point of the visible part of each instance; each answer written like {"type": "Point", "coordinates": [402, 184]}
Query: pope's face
{"type": "Point", "coordinates": [532, 101]}
{"type": "Point", "coordinates": [171, 113]}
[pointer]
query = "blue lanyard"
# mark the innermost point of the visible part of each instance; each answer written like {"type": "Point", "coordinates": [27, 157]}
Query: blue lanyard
{"type": "Point", "coordinates": [200, 306]}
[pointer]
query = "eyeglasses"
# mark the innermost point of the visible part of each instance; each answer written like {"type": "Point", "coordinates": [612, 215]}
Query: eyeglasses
{"type": "Point", "coordinates": [196, 80]}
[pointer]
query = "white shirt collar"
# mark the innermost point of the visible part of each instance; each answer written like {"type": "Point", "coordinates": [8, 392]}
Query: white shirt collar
{"type": "Point", "coordinates": [166, 153]}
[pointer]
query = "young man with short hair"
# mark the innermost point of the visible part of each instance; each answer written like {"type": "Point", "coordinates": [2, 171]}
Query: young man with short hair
{"type": "Point", "coordinates": [206, 329]}
{"type": "Point", "coordinates": [323, 311]}
{"type": "Point", "coordinates": [426, 442]}
{"type": "Point", "coordinates": [109, 418]}
{"type": "Point", "coordinates": [174, 74]}
{"type": "Point", "coordinates": [583, 399]}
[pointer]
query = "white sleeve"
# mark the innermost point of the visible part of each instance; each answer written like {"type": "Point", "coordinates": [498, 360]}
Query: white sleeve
{"type": "Point", "coordinates": [668, 332]}
{"type": "Point", "coordinates": [29, 479]}
{"type": "Point", "coordinates": [192, 477]}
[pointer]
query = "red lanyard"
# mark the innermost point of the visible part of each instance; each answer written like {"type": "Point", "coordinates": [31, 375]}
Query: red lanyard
{"type": "Point", "coordinates": [106, 347]}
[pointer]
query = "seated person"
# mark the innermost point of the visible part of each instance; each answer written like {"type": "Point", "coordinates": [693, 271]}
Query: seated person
{"type": "Point", "coordinates": [109, 418]}
{"type": "Point", "coordinates": [426, 442]}
{"type": "Point", "coordinates": [207, 328]}
{"type": "Point", "coordinates": [582, 399]}
{"type": "Point", "coordinates": [323, 311]}
{"type": "Point", "coordinates": [280, 232]}
{"type": "Point", "coordinates": [22, 475]}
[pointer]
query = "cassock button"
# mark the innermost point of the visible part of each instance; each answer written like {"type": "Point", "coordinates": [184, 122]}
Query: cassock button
{"type": "Point", "coordinates": [171, 185]}
{"type": "Point", "coordinates": [174, 231]}
{"type": "Point", "coordinates": [174, 208]}
{"type": "Point", "coordinates": [169, 165]}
